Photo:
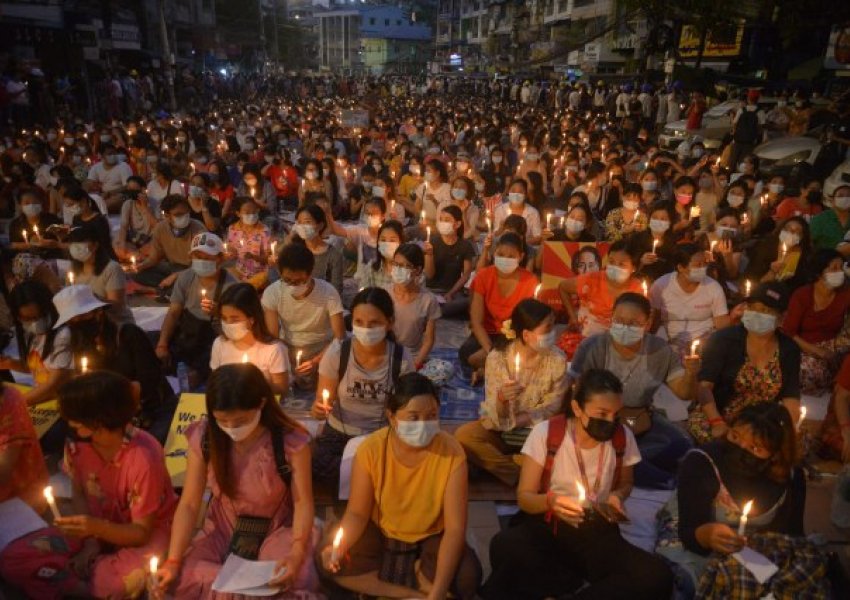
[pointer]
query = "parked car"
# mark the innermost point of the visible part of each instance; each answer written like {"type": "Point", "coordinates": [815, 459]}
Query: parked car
{"type": "Point", "coordinates": [780, 156]}
{"type": "Point", "coordinates": [716, 124]}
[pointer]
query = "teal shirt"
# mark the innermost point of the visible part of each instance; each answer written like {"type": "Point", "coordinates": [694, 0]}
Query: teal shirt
{"type": "Point", "coordinates": [827, 231]}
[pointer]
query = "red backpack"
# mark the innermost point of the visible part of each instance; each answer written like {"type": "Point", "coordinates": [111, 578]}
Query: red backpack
{"type": "Point", "coordinates": [554, 439]}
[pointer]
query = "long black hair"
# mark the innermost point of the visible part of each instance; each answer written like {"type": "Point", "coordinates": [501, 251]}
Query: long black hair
{"type": "Point", "coordinates": [380, 299]}
{"type": "Point", "coordinates": [244, 297]}
{"type": "Point", "coordinates": [102, 255]}
{"type": "Point", "coordinates": [593, 381]}
{"type": "Point", "coordinates": [34, 292]}
{"type": "Point", "coordinates": [527, 315]}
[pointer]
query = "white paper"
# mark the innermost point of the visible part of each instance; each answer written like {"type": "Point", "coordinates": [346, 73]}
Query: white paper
{"type": "Point", "coordinates": [17, 519]}
{"type": "Point", "coordinates": [249, 577]}
{"type": "Point", "coordinates": [347, 464]}
{"type": "Point", "coordinates": [675, 408]}
{"type": "Point", "coordinates": [757, 564]}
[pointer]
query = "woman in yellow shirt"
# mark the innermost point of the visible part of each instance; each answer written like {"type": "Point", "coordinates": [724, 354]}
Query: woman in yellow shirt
{"type": "Point", "coordinates": [405, 524]}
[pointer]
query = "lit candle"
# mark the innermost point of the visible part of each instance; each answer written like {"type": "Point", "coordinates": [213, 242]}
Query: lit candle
{"type": "Point", "coordinates": [763, 200]}
{"type": "Point", "coordinates": [802, 417]}
{"type": "Point", "coordinates": [695, 212]}
{"type": "Point", "coordinates": [26, 239]}
{"type": "Point", "coordinates": [422, 217]}
{"type": "Point", "coordinates": [742, 526]}
{"type": "Point", "coordinates": [273, 246]}
{"type": "Point", "coordinates": [516, 367]}
{"type": "Point", "coordinates": [70, 277]}
{"type": "Point", "coordinates": [489, 226]}
{"type": "Point", "coordinates": [336, 545]}
{"type": "Point", "coordinates": [694, 346]}
{"type": "Point", "coordinates": [748, 286]}
{"type": "Point", "coordinates": [35, 230]}
{"type": "Point", "coordinates": [84, 364]}
{"type": "Point", "coordinates": [582, 494]}
{"type": "Point", "coordinates": [298, 358]}
{"type": "Point", "coordinates": [224, 245]}
{"type": "Point", "coordinates": [133, 262]}
{"type": "Point", "coordinates": [537, 289]}
{"type": "Point", "coordinates": [549, 221]}
{"type": "Point", "coordinates": [711, 248]}
{"type": "Point", "coordinates": [654, 246]}
{"type": "Point", "coordinates": [326, 399]}
{"type": "Point", "coordinates": [51, 502]}
{"type": "Point", "coordinates": [428, 234]}
{"type": "Point", "coordinates": [717, 162]}
{"type": "Point", "coordinates": [645, 286]}
{"type": "Point", "coordinates": [244, 358]}
{"type": "Point", "coordinates": [784, 251]}
{"type": "Point", "coordinates": [154, 565]}
{"type": "Point", "coordinates": [203, 294]}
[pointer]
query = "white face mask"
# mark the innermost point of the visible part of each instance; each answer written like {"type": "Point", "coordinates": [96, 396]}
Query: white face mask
{"type": "Point", "coordinates": [181, 222]}
{"type": "Point", "coordinates": [757, 322]}
{"type": "Point", "coordinates": [841, 202]}
{"type": "Point", "coordinates": [626, 335]}
{"type": "Point", "coordinates": [445, 228]}
{"type": "Point", "coordinates": [734, 200]}
{"type": "Point", "coordinates": [80, 251]}
{"type": "Point", "coordinates": [458, 193]}
{"type": "Point", "coordinates": [574, 226]}
{"type": "Point", "coordinates": [378, 191]}
{"type": "Point", "coordinates": [616, 274]}
{"type": "Point", "coordinates": [505, 264]}
{"type": "Point", "coordinates": [697, 274]}
{"type": "Point", "coordinates": [417, 433]}
{"type": "Point", "coordinates": [775, 188]}
{"type": "Point", "coordinates": [235, 331]}
{"type": "Point", "coordinates": [375, 220]}
{"type": "Point", "coordinates": [305, 231]}
{"type": "Point", "coordinates": [37, 327]}
{"type": "Point", "coordinates": [658, 225]}
{"type": "Point", "coordinates": [649, 186]}
{"type": "Point", "coordinates": [400, 275]}
{"type": "Point", "coordinates": [298, 290]}
{"type": "Point", "coordinates": [834, 279]}
{"type": "Point", "coordinates": [31, 210]}
{"type": "Point", "coordinates": [496, 160]}
{"type": "Point", "coordinates": [250, 219]}
{"type": "Point", "coordinates": [387, 249]}
{"type": "Point", "coordinates": [724, 232]}
{"type": "Point", "coordinates": [74, 210]}
{"type": "Point", "coordinates": [237, 434]}
{"type": "Point", "coordinates": [545, 340]}
{"type": "Point", "coordinates": [789, 238]}
{"type": "Point", "coordinates": [204, 268]}
{"type": "Point", "coordinates": [630, 204]}
{"type": "Point", "coordinates": [369, 336]}
{"type": "Point", "coordinates": [516, 198]}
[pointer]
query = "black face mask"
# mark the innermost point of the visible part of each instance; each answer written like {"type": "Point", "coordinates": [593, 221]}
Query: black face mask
{"type": "Point", "coordinates": [600, 429]}
{"type": "Point", "coordinates": [85, 332]}
{"type": "Point", "coordinates": [743, 461]}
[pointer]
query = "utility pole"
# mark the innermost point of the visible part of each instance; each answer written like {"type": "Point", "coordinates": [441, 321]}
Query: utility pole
{"type": "Point", "coordinates": [167, 57]}
{"type": "Point", "coordinates": [263, 46]}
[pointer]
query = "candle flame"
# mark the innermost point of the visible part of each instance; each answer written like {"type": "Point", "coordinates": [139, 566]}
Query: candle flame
{"type": "Point", "coordinates": [154, 564]}
{"type": "Point", "coordinates": [338, 538]}
{"type": "Point", "coordinates": [747, 508]}
{"type": "Point", "coordinates": [537, 289]}
{"type": "Point", "coordinates": [203, 292]}
{"type": "Point", "coordinates": [694, 347]}
{"type": "Point", "coordinates": [516, 364]}
{"type": "Point", "coordinates": [645, 288]}
{"type": "Point", "coordinates": [244, 358]}
{"type": "Point", "coordinates": [84, 363]}
{"type": "Point", "coordinates": [326, 396]}
{"type": "Point", "coordinates": [582, 493]}
{"type": "Point", "coordinates": [802, 416]}
{"type": "Point", "coordinates": [48, 494]}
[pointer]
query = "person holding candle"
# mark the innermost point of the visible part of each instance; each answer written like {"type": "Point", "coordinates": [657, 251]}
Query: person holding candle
{"type": "Point", "coordinates": [23, 472]}
{"type": "Point", "coordinates": [408, 183]}
{"type": "Point", "coordinates": [815, 321]}
{"type": "Point", "coordinates": [171, 245]}
{"type": "Point", "coordinates": [688, 304]}
{"type": "Point", "coordinates": [556, 544]}
{"type": "Point", "coordinates": [723, 243]}
{"type": "Point", "coordinates": [808, 202]}
{"type": "Point", "coordinates": [416, 308]}
{"type": "Point", "coordinates": [253, 185]}
{"type": "Point", "coordinates": [463, 196]}
{"type": "Point", "coordinates": [517, 225]}
{"type": "Point", "coordinates": [244, 333]}
{"type": "Point", "coordinates": [311, 229]}
{"type": "Point", "coordinates": [515, 401]}
{"type": "Point", "coordinates": [405, 522]}
{"type": "Point", "coordinates": [359, 374]}
{"type": "Point", "coordinates": [496, 290]}
{"type": "Point", "coordinates": [137, 221]}
{"type": "Point", "coordinates": [92, 265]}
{"type": "Point", "coordinates": [307, 309]}
{"type": "Point", "coordinates": [626, 219]}
{"type": "Point", "coordinates": [686, 210]}
{"type": "Point", "coordinates": [597, 291]}
{"type": "Point", "coordinates": [28, 230]}
{"type": "Point", "coordinates": [379, 272]}
{"type": "Point", "coordinates": [448, 262]}
{"type": "Point", "coordinates": [122, 504]}
{"type": "Point", "coordinates": [643, 362]}
{"type": "Point", "coordinates": [362, 239]}
{"type": "Point", "coordinates": [517, 205]}
{"type": "Point", "coordinates": [782, 255]}
{"type": "Point", "coordinates": [434, 192]}
{"type": "Point", "coordinates": [315, 186]}
{"type": "Point", "coordinates": [753, 463]}
{"type": "Point", "coordinates": [249, 241]}
{"type": "Point", "coordinates": [202, 207]}
{"type": "Point", "coordinates": [189, 327]}
{"type": "Point", "coordinates": [655, 244]}
{"type": "Point", "coordinates": [85, 210]}
{"type": "Point", "coordinates": [256, 461]}
{"type": "Point", "coordinates": [747, 364]}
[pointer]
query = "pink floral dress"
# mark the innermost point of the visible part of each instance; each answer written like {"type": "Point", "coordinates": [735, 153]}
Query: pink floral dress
{"type": "Point", "coordinates": [262, 493]}
{"type": "Point", "coordinates": [133, 485]}
{"type": "Point", "coordinates": [256, 240]}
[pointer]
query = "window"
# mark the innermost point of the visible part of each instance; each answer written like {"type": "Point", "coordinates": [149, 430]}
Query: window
{"type": "Point", "coordinates": [386, 22]}
{"type": "Point", "coordinates": [371, 20]}
{"type": "Point", "coordinates": [398, 22]}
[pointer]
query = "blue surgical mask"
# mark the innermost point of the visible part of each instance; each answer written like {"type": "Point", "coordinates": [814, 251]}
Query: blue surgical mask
{"type": "Point", "coordinates": [204, 268]}
{"type": "Point", "coordinates": [626, 335]}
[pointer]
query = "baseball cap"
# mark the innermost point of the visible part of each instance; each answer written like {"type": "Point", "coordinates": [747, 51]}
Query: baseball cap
{"type": "Point", "coordinates": [208, 243]}
{"type": "Point", "coordinates": [772, 294]}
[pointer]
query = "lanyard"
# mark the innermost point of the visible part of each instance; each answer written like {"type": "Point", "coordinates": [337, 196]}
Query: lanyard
{"type": "Point", "coordinates": [592, 495]}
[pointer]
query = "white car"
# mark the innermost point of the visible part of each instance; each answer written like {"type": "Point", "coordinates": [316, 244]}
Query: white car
{"type": "Point", "coordinates": [716, 123]}
{"type": "Point", "coordinates": [840, 176]}
{"type": "Point", "coordinates": [779, 155]}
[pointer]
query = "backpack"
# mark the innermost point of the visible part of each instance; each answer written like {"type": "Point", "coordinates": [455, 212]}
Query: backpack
{"type": "Point", "coordinates": [554, 439]}
{"type": "Point", "coordinates": [747, 128]}
{"type": "Point", "coordinates": [277, 432]}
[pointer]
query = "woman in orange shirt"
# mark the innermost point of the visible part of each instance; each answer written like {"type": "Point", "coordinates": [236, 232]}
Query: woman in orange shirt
{"type": "Point", "coordinates": [598, 290]}
{"type": "Point", "coordinates": [496, 290]}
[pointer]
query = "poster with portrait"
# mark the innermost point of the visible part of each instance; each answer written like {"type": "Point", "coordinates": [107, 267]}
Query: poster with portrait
{"type": "Point", "coordinates": [562, 260]}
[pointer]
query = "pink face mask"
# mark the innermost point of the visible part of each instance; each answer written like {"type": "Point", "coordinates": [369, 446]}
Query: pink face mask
{"type": "Point", "coordinates": [684, 198]}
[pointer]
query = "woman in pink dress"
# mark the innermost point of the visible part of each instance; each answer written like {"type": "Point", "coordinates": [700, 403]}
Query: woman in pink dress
{"type": "Point", "coordinates": [122, 504]}
{"type": "Point", "coordinates": [233, 453]}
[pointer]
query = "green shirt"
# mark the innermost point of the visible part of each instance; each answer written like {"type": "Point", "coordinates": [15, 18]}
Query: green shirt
{"type": "Point", "coordinates": [827, 230]}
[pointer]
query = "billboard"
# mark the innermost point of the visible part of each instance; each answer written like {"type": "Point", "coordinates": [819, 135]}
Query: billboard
{"type": "Point", "coordinates": [721, 44]}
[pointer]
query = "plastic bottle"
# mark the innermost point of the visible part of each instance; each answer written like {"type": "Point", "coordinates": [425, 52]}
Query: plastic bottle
{"type": "Point", "coordinates": [183, 377]}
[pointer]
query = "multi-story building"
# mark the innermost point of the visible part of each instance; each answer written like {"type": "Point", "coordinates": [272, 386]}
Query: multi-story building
{"type": "Point", "coordinates": [372, 39]}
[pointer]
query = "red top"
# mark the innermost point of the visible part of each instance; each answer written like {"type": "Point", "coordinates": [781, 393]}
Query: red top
{"type": "Point", "coordinates": [498, 308]}
{"type": "Point", "coordinates": [29, 475]}
{"type": "Point", "coordinates": [791, 207]}
{"type": "Point", "coordinates": [284, 180]}
{"type": "Point", "coordinates": [812, 325]}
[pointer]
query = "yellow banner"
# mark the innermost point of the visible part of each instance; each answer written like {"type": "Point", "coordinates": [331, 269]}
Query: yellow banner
{"type": "Point", "coordinates": [717, 45]}
{"type": "Point", "coordinates": [190, 408]}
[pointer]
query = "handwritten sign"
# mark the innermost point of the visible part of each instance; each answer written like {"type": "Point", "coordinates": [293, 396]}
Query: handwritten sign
{"type": "Point", "coordinates": [190, 408]}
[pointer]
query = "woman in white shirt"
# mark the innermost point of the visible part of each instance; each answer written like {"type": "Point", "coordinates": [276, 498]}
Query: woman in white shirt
{"type": "Point", "coordinates": [245, 337]}
{"type": "Point", "coordinates": [576, 475]}
{"type": "Point", "coordinates": [434, 192]}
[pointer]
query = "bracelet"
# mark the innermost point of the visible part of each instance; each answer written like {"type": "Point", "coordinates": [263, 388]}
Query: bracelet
{"type": "Point", "coordinates": [717, 421]}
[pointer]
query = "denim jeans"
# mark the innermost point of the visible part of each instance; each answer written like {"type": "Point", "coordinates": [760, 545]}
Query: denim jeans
{"type": "Point", "coordinates": [661, 449]}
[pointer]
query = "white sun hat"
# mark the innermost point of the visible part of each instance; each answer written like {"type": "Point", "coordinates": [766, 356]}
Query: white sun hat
{"type": "Point", "coordinates": [73, 301]}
